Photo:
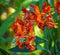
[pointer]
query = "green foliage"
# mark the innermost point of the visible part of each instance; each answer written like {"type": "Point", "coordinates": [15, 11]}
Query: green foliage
{"type": "Point", "coordinates": [41, 2]}
{"type": "Point", "coordinates": [38, 31]}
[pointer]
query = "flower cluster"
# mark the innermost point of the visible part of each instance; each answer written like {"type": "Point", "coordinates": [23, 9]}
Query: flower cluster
{"type": "Point", "coordinates": [23, 28]}
{"type": "Point", "coordinates": [57, 6]}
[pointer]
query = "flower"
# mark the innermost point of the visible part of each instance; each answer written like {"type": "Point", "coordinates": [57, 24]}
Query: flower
{"type": "Point", "coordinates": [23, 28]}
{"type": "Point", "coordinates": [57, 6]}
{"type": "Point", "coordinates": [48, 21]}
{"type": "Point", "coordinates": [45, 8]}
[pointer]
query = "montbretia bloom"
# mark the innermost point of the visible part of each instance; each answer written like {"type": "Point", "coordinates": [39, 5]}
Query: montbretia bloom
{"type": "Point", "coordinates": [45, 8]}
{"type": "Point", "coordinates": [40, 19]}
{"type": "Point", "coordinates": [57, 6]}
{"type": "Point", "coordinates": [24, 27]}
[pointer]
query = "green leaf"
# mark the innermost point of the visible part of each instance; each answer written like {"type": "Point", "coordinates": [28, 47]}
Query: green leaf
{"type": "Point", "coordinates": [21, 40]}
{"type": "Point", "coordinates": [10, 19]}
{"type": "Point", "coordinates": [17, 49]}
{"type": "Point", "coordinates": [41, 2]}
{"type": "Point", "coordinates": [3, 52]}
{"type": "Point", "coordinates": [39, 40]}
{"type": "Point", "coordinates": [13, 43]}
{"type": "Point", "coordinates": [6, 25]}
{"type": "Point", "coordinates": [27, 2]}
{"type": "Point", "coordinates": [55, 15]}
{"type": "Point", "coordinates": [51, 2]}
{"type": "Point", "coordinates": [46, 36]}
{"type": "Point", "coordinates": [38, 32]}
{"type": "Point", "coordinates": [42, 48]}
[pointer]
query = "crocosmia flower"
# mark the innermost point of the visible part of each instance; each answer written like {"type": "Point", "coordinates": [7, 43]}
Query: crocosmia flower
{"type": "Point", "coordinates": [24, 27]}
{"type": "Point", "coordinates": [57, 6]}
{"type": "Point", "coordinates": [45, 8]}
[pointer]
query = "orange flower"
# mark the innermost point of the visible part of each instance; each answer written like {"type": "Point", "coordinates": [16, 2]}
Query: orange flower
{"type": "Point", "coordinates": [37, 13]}
{"type": "Point", "coordinates": [40, 17]}
{"type": "Point", "coordinates": [57, 6]}
{"type": "Point", "coordinates": [24, 27]}
{"type": "Point", "coordinates": [45, 8]}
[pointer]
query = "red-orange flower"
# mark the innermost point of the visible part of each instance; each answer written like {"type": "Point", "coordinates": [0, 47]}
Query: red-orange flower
{"type": "Point", "coordinates": [24, 27]}
{"type": "Point", "coordinates": [45, 8]}
{"type": "Point", "coordinates": [48, 21]}
{"type": "Point", "coordinates": [57, 6]}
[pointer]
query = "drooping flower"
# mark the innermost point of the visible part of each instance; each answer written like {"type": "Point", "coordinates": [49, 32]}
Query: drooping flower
{"type": "Point", "coordinates": [57, 6]}
{"type": "Point", "coordinates": [45, 8]}
{"type": "Point", "coordinates": [23, 28]}
{"type": "Point", "coordinates": [48, 21]}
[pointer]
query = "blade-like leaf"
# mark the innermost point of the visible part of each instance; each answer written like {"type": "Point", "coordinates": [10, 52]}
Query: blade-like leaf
{"type": "Point", "coordinates": [41, 2]}
{"type": "Point", "coordinates": [16, 49]}
{"type": "Point", "coordinates": [38, 31]}
{"type": "Point", "coordinates": [39, 40]}
{"type": "Point", "coordinates": [42, 48]}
